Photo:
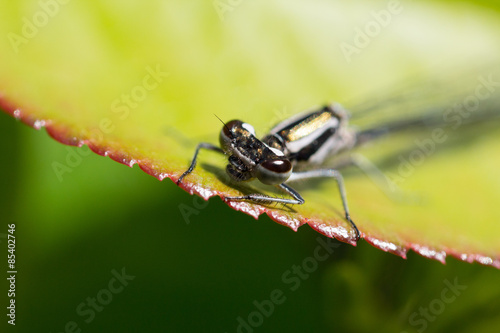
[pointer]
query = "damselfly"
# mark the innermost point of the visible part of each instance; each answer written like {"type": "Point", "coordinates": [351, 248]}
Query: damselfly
{"type": "Point", "coordinates": [304, 140]}
{"type": "Point", "coordinates": [297, 149]}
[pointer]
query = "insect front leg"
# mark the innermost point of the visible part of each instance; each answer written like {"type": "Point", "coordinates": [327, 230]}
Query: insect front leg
{"type": "Point", "coordinates": [202, 145]}
{"type": "Point", "coordinates": [262, 198]}
{"type": "Point", "coordinates": [329, 173]}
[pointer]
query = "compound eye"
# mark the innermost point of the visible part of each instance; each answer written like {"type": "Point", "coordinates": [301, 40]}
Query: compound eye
{"type": "Point", "coordinates": [228, 133]}
{"type": "Point", "coordinates": [274, 172]}
{"type": "Point", "coordinates": [277, 166]}
{"type": "Point", "coordinates": [229, 128]}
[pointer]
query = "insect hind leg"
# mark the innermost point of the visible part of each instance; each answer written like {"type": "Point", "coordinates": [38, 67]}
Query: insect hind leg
{"type": "Point", "coordinates": [329, 173]}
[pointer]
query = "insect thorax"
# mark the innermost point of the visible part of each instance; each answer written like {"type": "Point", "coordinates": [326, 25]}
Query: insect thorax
{"type": "Point", "coordinates": [314, 136]}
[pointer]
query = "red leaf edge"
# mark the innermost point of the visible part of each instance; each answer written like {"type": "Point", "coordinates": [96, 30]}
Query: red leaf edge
{"type": "Point", "coordinates": [61, 134]}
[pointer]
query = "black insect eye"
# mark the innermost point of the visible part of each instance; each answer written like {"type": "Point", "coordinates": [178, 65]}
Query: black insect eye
{"type": "Point", "coordinates": [274, 172]}
{"type": "Point", "coordinates": [229, 127]}
{"type": "Point", "coordinates": [279, 166]}
{"type": "Point", "coordinates": [228, 133]}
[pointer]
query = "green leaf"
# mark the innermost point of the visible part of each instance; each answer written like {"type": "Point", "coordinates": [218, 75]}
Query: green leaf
{"type": "Point", "coordinates": [141, 82]}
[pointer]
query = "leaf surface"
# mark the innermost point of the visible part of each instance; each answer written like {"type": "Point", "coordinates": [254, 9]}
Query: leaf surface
{"type": "Point", "coordinates": [141, 82]}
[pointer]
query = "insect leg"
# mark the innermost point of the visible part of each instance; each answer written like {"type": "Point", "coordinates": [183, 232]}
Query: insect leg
{"type": "Point", "coordinates": [262, 198]}
{"type": "Point", "coordinates": [202, 145]}
{"type": "Point", "coordinates": [330, 173]}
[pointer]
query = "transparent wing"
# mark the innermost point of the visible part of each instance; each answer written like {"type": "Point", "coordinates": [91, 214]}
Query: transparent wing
{"type": "Point", "coordinates": [447, 100]}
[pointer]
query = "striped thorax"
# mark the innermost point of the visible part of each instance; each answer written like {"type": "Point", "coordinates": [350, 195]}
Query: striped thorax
{"type": "Point", "coordinates": [312, 137]}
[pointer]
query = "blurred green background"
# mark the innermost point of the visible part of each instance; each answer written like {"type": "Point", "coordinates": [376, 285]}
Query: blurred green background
{"type": "Point", "coordinates": [206, 273]}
